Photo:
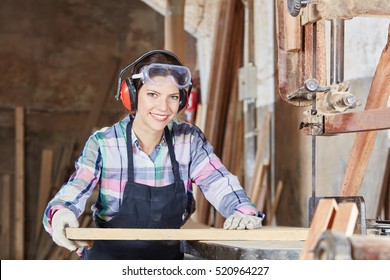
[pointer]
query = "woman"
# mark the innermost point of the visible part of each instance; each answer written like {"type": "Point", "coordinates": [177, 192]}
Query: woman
{"type": "Point", "coordinates": [144, 166]}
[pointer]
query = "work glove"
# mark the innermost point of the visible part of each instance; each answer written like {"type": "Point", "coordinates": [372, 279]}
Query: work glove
{"type": "Point", "coordinates": [62, 219]}
{"type": "Point", "coordinates": [242, 221]}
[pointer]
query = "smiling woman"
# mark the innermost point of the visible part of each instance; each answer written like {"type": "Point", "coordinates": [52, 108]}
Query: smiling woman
{"type": "Point", "coordinates": [144, 167]}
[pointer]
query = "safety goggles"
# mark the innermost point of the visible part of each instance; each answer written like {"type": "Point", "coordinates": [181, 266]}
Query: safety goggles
{"type": "Point", "coordinates": [159, 74]}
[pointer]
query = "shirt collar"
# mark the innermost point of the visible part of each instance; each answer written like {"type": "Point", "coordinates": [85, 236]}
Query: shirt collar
{"type": "Point", "coordinates": [134, 138]}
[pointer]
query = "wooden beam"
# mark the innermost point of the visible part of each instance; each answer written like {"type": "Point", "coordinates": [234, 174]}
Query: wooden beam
{"type": "Point", "coordinates": [259, 162]}
{"type": "Point", "coordinates": [292, 33]}
{"type": "Point", "coordinates": [174, 35]}
{"type": "Point", "coordinates": [226, 57]}
{"type": "Point", "coordinates": [333, 9]}
{"type": "Point", "coordinates": [368, 120]}
{"type": "Point", "coordinates": [322, 220]}
{"type": "Point", "coordinates": [345, 218]}
{"type": "Point", "coordinates": [19, 184]}
{"type": "Point", "coordinates": [6, 217]}
{"type": "Point", "coordinates": [275, 203]}
{"type": "Point", "coordinates": [364, 141]}
{"type": "Point", "coordinates": [272, 233]}
{"type": "Point", "coordinates": [384, 198]}
{"type": "Point", "coordinates": [262, 188]}
{"type": "Point", "coordinates": [45, 184]}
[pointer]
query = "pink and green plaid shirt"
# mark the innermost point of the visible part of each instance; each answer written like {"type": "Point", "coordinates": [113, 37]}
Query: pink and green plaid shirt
{"type": "Point", "coordinates": [103, 164]}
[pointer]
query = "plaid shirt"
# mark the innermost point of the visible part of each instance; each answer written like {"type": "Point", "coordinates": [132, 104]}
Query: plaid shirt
{"type": "Point", "coordinates": [103, 164]}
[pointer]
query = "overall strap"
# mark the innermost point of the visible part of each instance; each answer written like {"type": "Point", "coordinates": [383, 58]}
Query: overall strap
{"type": "Point", "coordinates": [129, 144]}
{"type": "Point", "coordinates": [175, 164]}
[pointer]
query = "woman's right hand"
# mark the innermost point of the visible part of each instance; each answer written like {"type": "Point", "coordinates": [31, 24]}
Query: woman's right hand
{"type": "Point", "coordinates": [62, 219]}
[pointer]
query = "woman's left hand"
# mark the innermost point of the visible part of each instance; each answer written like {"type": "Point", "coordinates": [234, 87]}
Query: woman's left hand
{"type": "Point", "coordinates": [242, 221]}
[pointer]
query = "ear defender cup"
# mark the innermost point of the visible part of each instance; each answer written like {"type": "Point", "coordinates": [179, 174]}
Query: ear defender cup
{"type": "Point", "coordinates": [183, 99]}
{"type": "Point", "coordinates": [128, 95]}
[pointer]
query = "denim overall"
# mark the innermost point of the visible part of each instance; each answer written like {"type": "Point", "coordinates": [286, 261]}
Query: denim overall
{"type": "Point", "coordinates": [144, 206]}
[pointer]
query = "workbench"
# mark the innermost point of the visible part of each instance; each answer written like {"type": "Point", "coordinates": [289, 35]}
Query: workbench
{"type": "Point", "coordinates": [243, 250]}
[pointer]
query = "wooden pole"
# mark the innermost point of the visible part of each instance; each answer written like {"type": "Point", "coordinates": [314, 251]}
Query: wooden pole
{"type": "Point", "coordinates": [19, 184]}
{"type": "Point", "coordinates": [335, 9]}
{"type": "Point", "coordinates": [275, 203]}
{"type": "Point", "coordinates": [174, 35]}
{"type": "Point", "coordinates": [6, 217]}
{"type": "Point", "coordinates": [367, 120]}
{"type": "Point", "coordinates": [364, 141]}
{"type": "Point", "coordinates": [45, 184]}
{"type": "Point", "coordinates": [384, 198]}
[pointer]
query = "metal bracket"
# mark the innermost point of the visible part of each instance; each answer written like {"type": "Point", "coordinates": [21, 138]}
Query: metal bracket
{"type": "Point", "coordinates": [308, 90]}
{"type": "Point", "coordinates": [313, 124]}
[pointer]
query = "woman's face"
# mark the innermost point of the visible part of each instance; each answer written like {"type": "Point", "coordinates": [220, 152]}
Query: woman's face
{"type": "Point", "coordinates": [157, 105]}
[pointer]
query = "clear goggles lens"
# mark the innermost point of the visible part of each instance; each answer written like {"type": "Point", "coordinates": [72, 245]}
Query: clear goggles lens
{"type": "Point", "coordinates": [159, 74]}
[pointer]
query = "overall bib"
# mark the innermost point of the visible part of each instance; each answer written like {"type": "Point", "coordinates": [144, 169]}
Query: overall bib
{"type": "Point", "coordinates": [144, 206]}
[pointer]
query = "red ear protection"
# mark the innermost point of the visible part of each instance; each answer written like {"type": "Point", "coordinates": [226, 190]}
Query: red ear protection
{"type": "Point", "coordinates": [128, 95]}
{"type": "Point", "coordinates": [184, 97]}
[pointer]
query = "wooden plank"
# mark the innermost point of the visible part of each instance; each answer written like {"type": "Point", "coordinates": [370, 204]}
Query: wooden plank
{"type": "Point", "coordinates": [45, 184]}
{"type": "Point", "coordinates": [19, 184]}
{"type": "Point", "coordinates": [322, 220]}
{"type": "Point", "coordinates": [384, 197]}
{"type": "Point", "coordinates": [265, 130]}
{"type": "Point", "coordinates": [332, 9]}
{"type": "Point", "coordinates": [368, 120]}
{"type": "Point", "coordinates": [227, 51]}
{"type": "Point", "coordinates": [238, 169]}
{"type": "Point", "coordinates": [275, 203]}
{"type": "Point", "coordinates": [364, 141]}
{"type": "Point", "coordinates": [255, 188]}
{"type": "Point", "coordinates": [5, 252]}
{"type": "Point", "coordinates": [262, 189]}
{"type": "Point", "coordinates": [174, 35]}
{"type": "Point", "coordinates": [292, 37]}
{"type": "Point", "coordinates": [61, 174]}
{"type": "Point", "coordinates": [345, 218]}
{"type": "Point", "coordinates": [272, 233]}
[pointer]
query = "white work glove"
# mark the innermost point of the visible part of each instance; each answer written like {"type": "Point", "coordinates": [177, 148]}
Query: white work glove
{"type": "Point", "coordinates": [242, 221]}
{"type": "Point", "coordinates": [62, 219]}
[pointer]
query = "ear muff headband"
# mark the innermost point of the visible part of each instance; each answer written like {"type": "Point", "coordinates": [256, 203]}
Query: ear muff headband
{"type": "Point", "coordinates": [127, 92]}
